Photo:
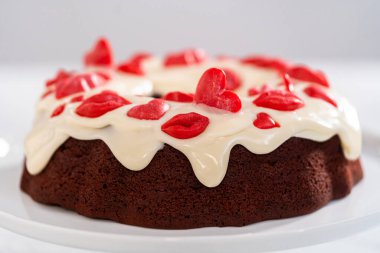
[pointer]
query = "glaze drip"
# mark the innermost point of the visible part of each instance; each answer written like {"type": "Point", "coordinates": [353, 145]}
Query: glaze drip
{"type": "Point", "coordinates": [134, 142]}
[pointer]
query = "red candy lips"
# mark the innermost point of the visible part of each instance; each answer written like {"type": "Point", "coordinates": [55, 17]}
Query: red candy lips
{"type": "Point", "coordinates": [316, 92]}
{"type": "Point", "coordinates": [257, 90]}
{"type": "Point", "coordinates": [61, 75]}
{"type": "Point", "coordinates": [279, 100]}
{"type": "Point", "coordinates": [211, 91]}
{"type": "Point", "coordinates": [266, 62]}
{"type": "Point", "coordinates": [77, 99]}
{"type": "Point", "coordinates": [178, 96]}
{"type": "Point", "coordinates": [186, 57]}
{"type": "Point", "coordinates": [76, 83]}
{"type": "Point", "coordinates": [134, 65]}
{"type": "Point", "coordinates": [185, 126]}
{"type": "Point", "coordinates": [100, 55]}
{"type": "Point", "coordinates": [214, 89]}
{"type": "Point", "coordinates": [100, 104]}
{"type": "Point", "coordinates": [303, 73]}
{"type": "Point", "coordinates": [153, 110]}
{"type": "Point", "coordinates": [58, 111]}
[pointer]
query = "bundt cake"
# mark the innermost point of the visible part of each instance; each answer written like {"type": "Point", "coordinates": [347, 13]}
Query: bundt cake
{"type": "Point", "coordinates": [189, 141]}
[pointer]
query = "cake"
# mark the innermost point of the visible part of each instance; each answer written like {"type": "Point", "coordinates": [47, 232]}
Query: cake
{"type": "Point", "coordinates": [190, 141]}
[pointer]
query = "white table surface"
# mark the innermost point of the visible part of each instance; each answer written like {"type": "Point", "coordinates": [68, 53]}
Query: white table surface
{"type": "Point", "coordinates": [20, 86]}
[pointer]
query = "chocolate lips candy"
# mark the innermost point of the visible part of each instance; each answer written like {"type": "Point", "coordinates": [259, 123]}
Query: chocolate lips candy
{"type": "Point", "coordinates": [100, 104]}
{"type": "Point", "coordinates": [77, 83]}
{"type": "Point", "coordinates": [266, 62]}
{"type": "Point", "coordinates": [186, 57]}
{"type": "Point", "coordinates": [279, 100]}
{"type": "Point", "coordinates": [153, 110]}
{"type": "Point", "coordinates": [185, 126]}
{"type": "Point", "coordinates": [58, 111]}
{"type": "Point", "coordinates": [134, 65]}
{"type": "Point", "coordinates": [316, 92]}
{"type": "Point", "coordinates": [178, 96]}
{"type": "Point", "coordinates": [305, 74]}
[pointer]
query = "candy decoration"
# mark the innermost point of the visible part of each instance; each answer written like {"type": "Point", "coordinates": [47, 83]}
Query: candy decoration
{"type": "Point", "coordinates": [233, 80]}
{"type": "Point", "coordinates": [186, 57]}
{"type": "Point", "coordinates": [255, 90]}
{"type": "Point", "coordinates": [178, 96]}
{"type": "Point", "coordinates": [211, 91]}
{"type": "Point", "coordinates": [266, 62]}
{"type": "Point", "coordinates": [303, 73]}
{"type": "Point", "coordinates": [47, 93]}
{"type": "Point", "coordinates": [279, 100]}
{"type": "Point", "coordinates": [78, 83]}
{"type": "Point", "coordinates": [134, 65]}
{"type": "Point", "coordinates": [100, 55]}
{"type": "Point", "coordinates": [105, 76]}
{"type": "Point", "coordinates": [100, 104]}
{"type": "Point", "coordinates": [316, 92]}
{"type": "Point", "coordinates": [77, 99]}
{"type": "Point", "coordinates": [153, 110]}
{"type": "Point", "coordinates": [185, 126]}
{"type": "Point", "coordinates": [265, 121]}
{"type": "Point", "coordinates": [288, 84]}
{"type": "Point", "coordinates": [62, 74]}
{"type": "Point", "coordinates": [57, 111]}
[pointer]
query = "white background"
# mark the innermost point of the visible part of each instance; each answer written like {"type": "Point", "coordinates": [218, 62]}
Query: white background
{"type": "Point", "coordinates": [37, 37]}
{"type": "Point", "coordinates": [56, 30]}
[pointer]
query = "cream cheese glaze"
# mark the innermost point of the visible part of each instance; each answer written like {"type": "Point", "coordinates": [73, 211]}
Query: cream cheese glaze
{"type": "Point", "coordinates": [134, 142]}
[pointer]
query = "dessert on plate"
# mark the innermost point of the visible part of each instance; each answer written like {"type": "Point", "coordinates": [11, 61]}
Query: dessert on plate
{"type": "Point", "coordinates": [189, 141]}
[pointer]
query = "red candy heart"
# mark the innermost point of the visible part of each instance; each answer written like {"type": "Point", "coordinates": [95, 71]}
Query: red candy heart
{"type": "Point", "coordinates": [303, 73]}
{"type": "Point", "coordinates": [178, 96]}
{"type": "Point", "coordinates": [255, 90]}
{"type": "Point", "coordinates": [100, 55]}
{"type": "Point", "coordinates": [266, 62]}
{"type": "Point", "coordinates": [264, 121]}
{"type": "Point", "coordinates": [211, 91]}
{"type": "Point", "coordinates": [153, 110]}
{"type": "Point", "coordinates": [315, 92]}
{"type": "Point", "coordinates": [186, 57]}
{"type": "Point", "coordinates": [279, 100]}
{"type": "Point", "coordinates": [100, 104]}
{"type": "Point", "coordinates": [57, 111]}
{"type": "Point", "coordinates": [78, 83]}
{"type": "Point", "coordinates": [185, 126]}
{"type": "Point", "coordinates": [233, 81]}
{"type": "Point", "coordinates": [61, 75]}
{"type": "Point", "coordinates": [134, 65]}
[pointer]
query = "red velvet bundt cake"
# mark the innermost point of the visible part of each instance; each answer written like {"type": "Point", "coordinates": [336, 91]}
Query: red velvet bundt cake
{"type": "Point", "coordinates": [190, 141]}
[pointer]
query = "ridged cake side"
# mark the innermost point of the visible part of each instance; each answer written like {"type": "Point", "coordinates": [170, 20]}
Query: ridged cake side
{"type": "Point", "coordinates": [297, 178]}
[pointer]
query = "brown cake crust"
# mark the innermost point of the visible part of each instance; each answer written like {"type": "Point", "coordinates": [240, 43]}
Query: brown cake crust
{"type": "Point", "coordinates": [297, 178]}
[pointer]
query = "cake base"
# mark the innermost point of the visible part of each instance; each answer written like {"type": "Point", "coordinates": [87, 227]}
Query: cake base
{"type": "Point", "coordinates": [297, 178]}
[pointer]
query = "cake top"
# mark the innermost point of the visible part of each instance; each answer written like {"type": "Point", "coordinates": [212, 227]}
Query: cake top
{"type": "Point", "coordinates": [206, 106]}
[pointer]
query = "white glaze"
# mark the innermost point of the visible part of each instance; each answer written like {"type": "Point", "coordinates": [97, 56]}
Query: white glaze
{"type": "Point", "coordinates": [135, 142]}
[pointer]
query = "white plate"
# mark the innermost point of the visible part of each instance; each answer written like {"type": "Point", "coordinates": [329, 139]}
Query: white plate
{"type": "Point", "coordinates": [357, 212]}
